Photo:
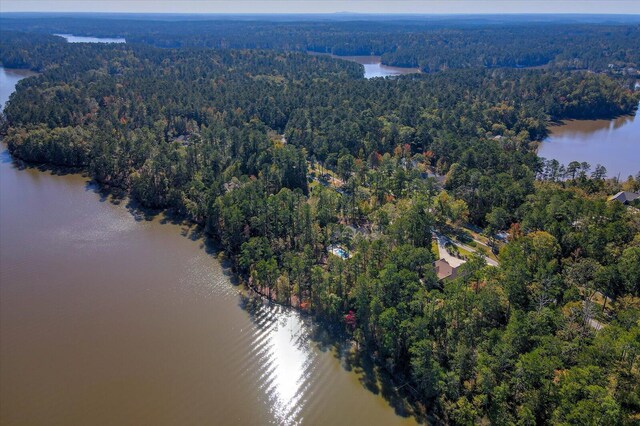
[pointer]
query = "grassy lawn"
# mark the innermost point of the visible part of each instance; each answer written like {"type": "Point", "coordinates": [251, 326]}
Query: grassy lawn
{"type": "Point", "coordinates": [486, 251]}
{"type": "Point", "coordinates": [434, 249]}
{"type": "Point", "coordinates": [464, 252]}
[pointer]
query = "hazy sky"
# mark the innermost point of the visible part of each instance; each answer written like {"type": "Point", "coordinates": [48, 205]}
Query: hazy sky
{"type": "Point", "coordinates": [325, 6]}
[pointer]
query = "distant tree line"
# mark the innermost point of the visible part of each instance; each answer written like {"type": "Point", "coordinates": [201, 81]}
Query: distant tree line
{"type": "Point", "coordinates": [429, 44]}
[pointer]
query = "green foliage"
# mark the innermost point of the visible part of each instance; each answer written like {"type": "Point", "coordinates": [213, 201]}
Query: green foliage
{"type": "Point", "coordinates": [431, 44]}
{"type": "Point", "coordinates": [191, 130]}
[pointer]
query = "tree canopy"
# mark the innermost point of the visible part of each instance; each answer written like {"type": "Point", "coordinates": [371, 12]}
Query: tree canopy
{"type": "Point", "coordinates": [287, 158]}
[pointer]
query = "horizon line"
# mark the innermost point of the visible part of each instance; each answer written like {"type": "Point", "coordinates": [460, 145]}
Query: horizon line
{"type": "Point", "coordinates": [78, 12]}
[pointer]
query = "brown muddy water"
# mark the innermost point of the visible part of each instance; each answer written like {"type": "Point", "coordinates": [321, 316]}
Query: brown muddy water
{"type": "Point", "coordinates": [108, 318]}
{"type": "Point", "coordinates": [614, 144]}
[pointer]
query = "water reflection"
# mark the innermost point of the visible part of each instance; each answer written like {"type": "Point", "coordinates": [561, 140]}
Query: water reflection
{"type": "Point", "coordinates": [373, 66]}
{"type": "Point", "coordinates": [80, 39]}
{"type": "Point", "coordinates": [299, 360]}
{"type": "Point", "coordinates": [589, 127]}
{"type": "Point", "coordinates": [290, 358]}
{"type": "Point", "coordinates": [614, 144]}
{"type": "Point", "coordinates": [285, 355]}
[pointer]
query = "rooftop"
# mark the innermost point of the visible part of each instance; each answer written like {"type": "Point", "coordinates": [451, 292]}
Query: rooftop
{"type": "Point", "coordinates": [625, 197]}
{"type": "Point", "coordinates": [444, 270]}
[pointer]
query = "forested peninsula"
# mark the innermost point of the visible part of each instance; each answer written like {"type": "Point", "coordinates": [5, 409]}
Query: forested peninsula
{"type": "Point", "coordinates": [284, 157]}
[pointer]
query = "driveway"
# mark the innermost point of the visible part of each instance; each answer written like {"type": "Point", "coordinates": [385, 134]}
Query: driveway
{"type": "Point", "coordinates": [451, 260]}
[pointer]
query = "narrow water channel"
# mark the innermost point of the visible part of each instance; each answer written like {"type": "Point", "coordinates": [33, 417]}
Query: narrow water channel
{"type": "Point", "coordinates": [373, 66]}
{"type": "Point", "coordinates": [108, 318]}
{"type": "Point", "coordinates": [81, 39]}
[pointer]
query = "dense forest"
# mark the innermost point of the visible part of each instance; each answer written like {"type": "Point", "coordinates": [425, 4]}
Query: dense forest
{"type": "Point", "coordinates": [284, 156]}
{"type": "Point", "coordinates": [430, 43]}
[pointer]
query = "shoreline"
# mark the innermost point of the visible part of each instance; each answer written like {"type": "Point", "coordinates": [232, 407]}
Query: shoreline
{"type": "Point", "coordinates": [566, 121]}
{"type": "Point", "coordinates": [118, 195]}
{"type": "Point", "coordinates": [610, 142]}
{"type": "Point", "coordinates": [20, 71]}
{"type": "Point", "coordinates": [354, 355]}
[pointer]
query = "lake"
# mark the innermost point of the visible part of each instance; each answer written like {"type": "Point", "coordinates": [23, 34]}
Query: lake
{"type": "Point", "coordinates": [109, 318]}
{"type": "Point", "coordinates": [373, 66]}
{"type": "Point", "coordinates": [8, 80]}
{"type": "Point", "coordinates": [613, 143]}
{"type": "Point", "coordinates": [80, 39]}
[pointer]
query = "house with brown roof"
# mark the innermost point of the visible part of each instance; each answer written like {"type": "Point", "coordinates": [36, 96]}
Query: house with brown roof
{"type": "Point", "coordinates": [444, 270]}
